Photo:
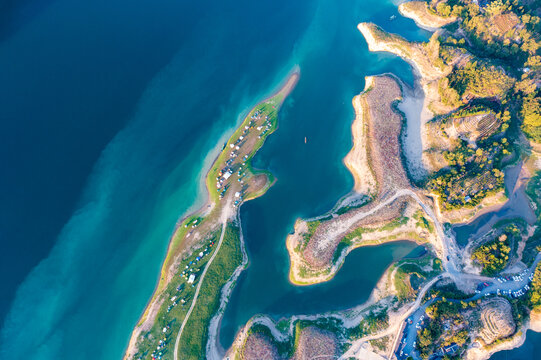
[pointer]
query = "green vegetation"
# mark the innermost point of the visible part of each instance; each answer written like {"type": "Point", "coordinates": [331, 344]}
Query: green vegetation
{"type": "Point", "coordinates": [507, 34]}
{"type": "Point", "coordinates": [176, 300]}
{"type": "Point", "coordinates": [535, 293]}
{"type": "Point", "coordinates": [480, 80]}
{"type": "Point", "coordinates": [380, 343]}
{"type": "Point", "coordinates": [356, 234]}
{"type": "Point", "coordinates": [533, 244]}
{"type": "Point", "coordinates": [493, 256]}
{"type": "Point", "coordinates": [531, 113]}
{"type": "Point", "coordinates": [411, 273]}
{"type": "Point", "coordinates": [312, 227]}
{"type": "Point", "coordinates": [360, 203]}
{"type": "Point", "coordinates": [330, 324]}
{"type": "Point", "coordinates": [472, 174]}
{"type": "Point", "coordinates": [447, 324]}
{"type": "Point", "coordinates": [422, 221]}
{"type": "Point", "coordinates": [470, 110]}
{"type": "Point", "coordinates": [391, 225]}
{"type": "Point", "coordinates": [268, 109]}
{"type": "Point", "coordinates": [194, 337]}
{"type": "Point", "coordinates": [499, 245]}
{"type": "Point", "coordinates": [502, 40]}
{"type": "Point", "coordinates": [449, 96]}
{"type": "Point", "coordinates": [447, 291]}
{"type": "Point", "coordinates": [376, 320]}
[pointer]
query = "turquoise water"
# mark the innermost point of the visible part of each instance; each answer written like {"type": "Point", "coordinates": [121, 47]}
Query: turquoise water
{"type": "Point", "coordinates": [85, 296]}
{"type": "Point", "coordinates": [311, 176]}
{"type": "Point", "coordinates": [109, 110]}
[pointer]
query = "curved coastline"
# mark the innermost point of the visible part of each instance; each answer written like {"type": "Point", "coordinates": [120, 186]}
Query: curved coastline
{"type": "Point", "coordinates": [426, 75]}
{"type": "Point", "coordinates": [357, 160]}
{"type": "Point", "coordinates": [148, 316]}
{"type": "Point", "coordinates": [390, 190]}
{"type": "Point", "coordinates": [418, 11]}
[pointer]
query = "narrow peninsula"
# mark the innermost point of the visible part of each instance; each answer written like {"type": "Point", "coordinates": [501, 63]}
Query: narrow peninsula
{"type": "Point", "coordinates": [206, 252]}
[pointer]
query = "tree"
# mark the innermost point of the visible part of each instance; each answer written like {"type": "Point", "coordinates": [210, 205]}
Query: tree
{"type": "Point", "coordinates": [443, 9]}
{"type": "Point", "coordinates": [531, 115]}
{"type": "Point", "coordinates": [425, 338]}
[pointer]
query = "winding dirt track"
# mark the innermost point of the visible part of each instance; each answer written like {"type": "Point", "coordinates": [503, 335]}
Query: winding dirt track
{"type": "Point", "coordinates": [225, 216]}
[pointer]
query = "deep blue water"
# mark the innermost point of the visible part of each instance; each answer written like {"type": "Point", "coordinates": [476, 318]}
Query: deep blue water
{"type": "Point", "coordinates": [530, 350]}
{"type": "Point", "coordinates": [108, 111]}
{"type": "Point", "coordinates": [71, 77]}
{"type": "Point", "coordinates": [311, 176]}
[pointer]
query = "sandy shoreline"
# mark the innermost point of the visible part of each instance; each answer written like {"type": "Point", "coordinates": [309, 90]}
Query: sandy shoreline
{"type": "Point", "coordinates": [153, 305]}
{"type": "Point", "coordinates": [357, 160]}
{"type": "Point", "coordinates": [415, 105]}
{"type": "Point", "coordinates": [418, 12]}
{"type": "Point", "coordinates": [377, 167]}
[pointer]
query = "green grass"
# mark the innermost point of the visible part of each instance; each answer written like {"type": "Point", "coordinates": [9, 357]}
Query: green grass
{"type": "Point", "coordinates": [375, 321]}
{"type": "Point", "coordinates": [194, 337]}
{"type": "Point", "coordinates": [533, 244]}
{"type": "Point", "coordinates": [226, 261]}
{"type": "Point", "coordinates": [312, 227]}
{"type": "Point", "coordinates": [172, 318]}
{"type": "Point", "coordinates": [407, 269]}
{"type": "Point", "coordinates": [391, 225]}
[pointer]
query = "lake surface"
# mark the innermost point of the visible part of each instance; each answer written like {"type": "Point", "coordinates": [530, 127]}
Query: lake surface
{"type": "Point", "coordinates": [311, 176]}
{"type": "Point", "coordinates": [109, 111]}
{"type": "Point", "coordinates": [530, 350]}
{"type": "Point", "coordinates": [517, 206]}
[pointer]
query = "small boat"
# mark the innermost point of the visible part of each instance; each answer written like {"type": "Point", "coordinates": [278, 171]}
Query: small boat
{"type": "Point", "coordinates": [392, 17]}
{"type": "Point", "coordinates": [305, 139]}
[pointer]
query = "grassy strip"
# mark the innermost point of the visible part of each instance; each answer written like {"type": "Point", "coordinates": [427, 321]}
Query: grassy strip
{"type": "Point", "coordinates": [391, 225]}
{"type": "Point", "coordinates": [269, 108]}
{"type": "Point", "coordinates": [194, 337]}
{"type": "Point", "coordinates": [173, 310]}
{"type": "Point", "coordinates": [375, 321]}
{"type": "Point", "coordinates": [408, 269]}
{"type": "Point", "coordinates": [533, 244]}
